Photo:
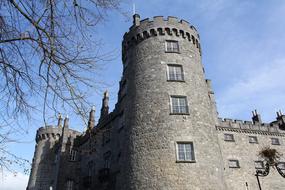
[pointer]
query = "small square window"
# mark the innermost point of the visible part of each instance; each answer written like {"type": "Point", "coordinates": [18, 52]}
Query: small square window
{"type": "Point", "coordinates": [185, 152]}
{"type": "Point", "coordinates": [175, 73]}
{"type": "Point", "coordinates": [179, 105]}
{"type": "Point", "coordinates": [275, 141]}
{"type": "Point", "coordinates": [281, 165]}
{"type": "Point", "coordinates": [234, 164]}
{"type": "Point", "coordinates": [252, 139]}
{"type": "Point", "coordinates": [171, 46]}
{"type": "Point", "coordinates": [258, 164]}
{"type": "Point", "coordinates": [229, 137]}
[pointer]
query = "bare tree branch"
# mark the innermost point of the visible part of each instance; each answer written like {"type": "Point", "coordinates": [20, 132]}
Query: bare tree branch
{"type": "Point", "coordinates": [47, 54]}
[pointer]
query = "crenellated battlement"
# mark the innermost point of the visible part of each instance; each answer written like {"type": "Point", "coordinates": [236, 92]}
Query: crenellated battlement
{"type": "Point", "coordinates": [158, 26]}
{"type": "Point", "coordinates": [48, 132]}
{"type": "Point", "coordinates": [249, 127]}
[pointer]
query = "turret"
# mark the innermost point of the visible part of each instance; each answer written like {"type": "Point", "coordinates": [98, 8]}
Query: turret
{"type": "Point", "coordinates": [65, 134]}
{"type": "Point", "coordinates": [136, 21]}
{"type": "Point", "coordinates": [66, 122]}
{"type": "Point", "coordinates": [105, 105]}
{"type": "Point", "coordinates": [91, 121]}
{"type": "Point", "coordinates": [59, 123]}
{"type": "Point", "coordinates": [43, 165]}
{"type": "Point", "coordinates": [167, 105]}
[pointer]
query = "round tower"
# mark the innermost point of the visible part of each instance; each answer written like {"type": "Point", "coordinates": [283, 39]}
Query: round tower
{"type": "Point", "coordinates": [169, 115]}
{"type": "Point", "coordinates": [43, 173]}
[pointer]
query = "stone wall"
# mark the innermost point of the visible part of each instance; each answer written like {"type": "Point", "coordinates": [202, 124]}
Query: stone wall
{"type": "Point", "coordinates": [246, 153]}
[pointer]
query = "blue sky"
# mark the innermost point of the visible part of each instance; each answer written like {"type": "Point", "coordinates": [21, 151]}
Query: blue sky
{"type": "Point", "coordinates": [243, 44]}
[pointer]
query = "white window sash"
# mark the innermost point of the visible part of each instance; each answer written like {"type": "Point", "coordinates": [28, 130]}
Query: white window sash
{"type": "Point", "coordinates": [185, 152]}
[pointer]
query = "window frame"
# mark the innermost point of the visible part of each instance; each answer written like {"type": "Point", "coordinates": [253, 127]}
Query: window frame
{"type": "Point", "coordinates": [282, 163]}
{"type": "Point", "coordinates": [107, 159]}
{"type": "Point", "coordinates": [175, 79]}
{"type": "Point", "coordinates": [253, 137]}
{"type": "Point", "coordinates": [171, 49]}
{"type": "Point", "coordinates": [172, 106]}
{"type": "Point", "coordinates": [229, 140]}
{"type": "Point", "coordinates": [73, 155]}
{"type": "Point", "coordinates": [192, 152]}
{"type": "Point", "coordinates": [257, 162]}
{"type": "Point", "coordinates": [275, 143]}
{"type": "Point", "coordinates": [235, 161]}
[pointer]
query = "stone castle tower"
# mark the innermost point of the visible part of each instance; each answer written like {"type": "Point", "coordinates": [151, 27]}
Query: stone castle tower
{"type": "Point", "coordinates": [169, 105]}
{"type": "Point", "coordinates": [52, 143]}
{"type": "Point", "coordinates": [164, 132]}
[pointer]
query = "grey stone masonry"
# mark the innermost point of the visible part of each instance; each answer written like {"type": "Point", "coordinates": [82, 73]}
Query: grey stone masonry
{"type": "Point", "coordinates": [164, 132]}
{"type": "Point", "coordinates": [249, 137]}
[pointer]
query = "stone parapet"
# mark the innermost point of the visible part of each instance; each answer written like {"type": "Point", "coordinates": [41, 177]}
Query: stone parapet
{"type": "Point", "coordinates": [250, 127]}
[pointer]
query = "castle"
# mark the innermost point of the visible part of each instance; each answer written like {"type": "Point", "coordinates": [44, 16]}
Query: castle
{"type": "Point", "coordinates": [164, 132]}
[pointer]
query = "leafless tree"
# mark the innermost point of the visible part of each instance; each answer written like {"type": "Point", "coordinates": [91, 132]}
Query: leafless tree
{"type": "Point", "coordinates": [48, 53]}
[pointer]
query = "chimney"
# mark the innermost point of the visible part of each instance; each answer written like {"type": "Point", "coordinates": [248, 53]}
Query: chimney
{"type": "Point", "coordinates": [281, 120]}
{"type": "Point", "coordinates": [256, 118]}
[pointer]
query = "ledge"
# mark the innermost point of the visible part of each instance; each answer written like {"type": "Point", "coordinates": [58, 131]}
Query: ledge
{"type": "Point", "coordinates": [179, 113]}
{"type": "Point", "coordinates": [185, 161]}
{"type": "Point", "coordinates": [251, 131]}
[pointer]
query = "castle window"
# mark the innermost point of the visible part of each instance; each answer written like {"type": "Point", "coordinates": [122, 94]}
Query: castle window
{"type": "Point", "coordinates": [281, 165]}
{"type": "Point", "coordinates": [106, 137]}
{"type": "Point", "coordinates": [179, 105]}
{"type": "Point", "coordinates": [107, 159]}
{"type": "Point", "coordinates": [185, 152]}
{"type": "Point", "coordinates": [229, 137]}
{"type": "Point", "coordinates": [90, 168]}
{"type": "Point", "coordinates": [171, 46]}
{"type": "Point", "coordinates": [69, 185]}
{"type": "Point", "coordinates": [175, 73]}
{"type": "Point", "coordinates": [275, 141]}
{"type": "Point", "coordinates": [259, 164]}
{"type": "Point", "coordinates": [234, 164]}
{"type": "Point", "coordinates": [252, 139]}
{"type": "Point", "coordinates": [72, 155]}
{"type": "Point", "coordinates": [56, 158]}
